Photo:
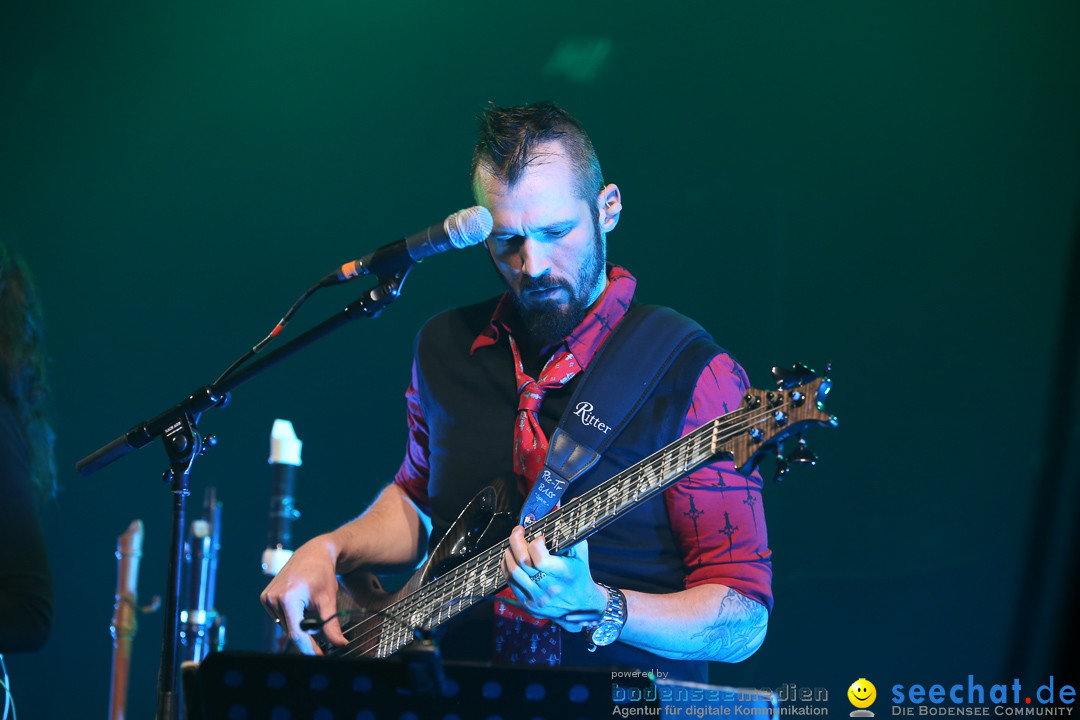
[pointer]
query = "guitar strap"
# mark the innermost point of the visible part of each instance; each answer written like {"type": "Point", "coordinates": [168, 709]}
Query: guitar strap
{"type": "Point", "coordinates": [619, 380]}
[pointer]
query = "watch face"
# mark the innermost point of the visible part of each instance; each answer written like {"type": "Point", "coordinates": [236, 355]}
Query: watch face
{"type": "Point", "coordinates": [605, 633]}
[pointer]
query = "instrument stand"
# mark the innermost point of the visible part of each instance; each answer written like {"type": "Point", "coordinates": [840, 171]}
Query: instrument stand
{"type": "Point", "coordinates": [178, 429]}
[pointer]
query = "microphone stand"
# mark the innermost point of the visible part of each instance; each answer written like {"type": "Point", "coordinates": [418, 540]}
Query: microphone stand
{"type": "Point", "coordinates": [178, 429]}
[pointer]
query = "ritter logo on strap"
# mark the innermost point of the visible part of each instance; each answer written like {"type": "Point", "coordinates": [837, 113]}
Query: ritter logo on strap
{"type": "Point", "coordinates": [584, 412]}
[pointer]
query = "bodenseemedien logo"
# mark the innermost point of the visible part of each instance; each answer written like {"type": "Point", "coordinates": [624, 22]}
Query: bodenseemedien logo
{"type": "Point", "coordinates": [862, 694]}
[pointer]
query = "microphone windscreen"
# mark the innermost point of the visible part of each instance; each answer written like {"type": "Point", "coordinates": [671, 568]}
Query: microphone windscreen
{"type": "Point", "coordinates": [469, 227]}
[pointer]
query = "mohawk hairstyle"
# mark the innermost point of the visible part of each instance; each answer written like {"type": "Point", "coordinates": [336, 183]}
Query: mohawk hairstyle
{"type": "Point", "coordinates": [509, 138]}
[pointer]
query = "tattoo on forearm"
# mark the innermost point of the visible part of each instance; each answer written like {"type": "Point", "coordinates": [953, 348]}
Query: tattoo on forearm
{"type": "Point", "coordinates": [736, 633]}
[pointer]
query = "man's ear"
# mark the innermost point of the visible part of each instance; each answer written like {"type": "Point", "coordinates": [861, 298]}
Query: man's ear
{"type": "Point", "coordinates": [609, 206]}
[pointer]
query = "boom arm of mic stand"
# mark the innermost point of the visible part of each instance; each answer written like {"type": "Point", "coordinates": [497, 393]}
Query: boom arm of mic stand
{"type": "Point", "coordinates": [370, 306]}
{"type": "Point", "coordinates": [178, 429]}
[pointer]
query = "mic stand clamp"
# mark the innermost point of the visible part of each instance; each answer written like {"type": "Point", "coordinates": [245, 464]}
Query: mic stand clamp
{"type": "Point", "coordinates": [386, 292]}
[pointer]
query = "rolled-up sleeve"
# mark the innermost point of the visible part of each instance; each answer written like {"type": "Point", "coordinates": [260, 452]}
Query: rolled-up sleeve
{"type": "Point", "coordinates": [412, 476]}
{"type": "Point", "coordinates": [716, 513]}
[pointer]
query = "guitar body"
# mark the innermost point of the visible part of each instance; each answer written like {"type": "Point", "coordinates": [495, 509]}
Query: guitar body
{"type": "Point", "coordinates": [486, 520]}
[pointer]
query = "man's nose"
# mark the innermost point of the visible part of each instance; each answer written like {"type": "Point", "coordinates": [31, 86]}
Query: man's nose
{"type": "Point", "coordinates": [535, 257]}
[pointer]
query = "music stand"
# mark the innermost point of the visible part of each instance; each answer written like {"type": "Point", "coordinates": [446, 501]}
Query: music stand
{"type": "Point", "coordinates": [234, 685]}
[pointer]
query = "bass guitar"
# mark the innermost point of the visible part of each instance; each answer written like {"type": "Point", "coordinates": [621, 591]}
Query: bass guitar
{"type": "Point", "coordinates": [464, 567]}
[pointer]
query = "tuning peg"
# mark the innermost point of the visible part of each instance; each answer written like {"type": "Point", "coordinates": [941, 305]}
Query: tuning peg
{"type": "Point", "coordinates": [797, 375]}
{"type": "Point", "coordinates": [802, 454]}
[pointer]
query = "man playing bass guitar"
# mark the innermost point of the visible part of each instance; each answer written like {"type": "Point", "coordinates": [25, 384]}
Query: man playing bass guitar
{"type": "Point", "coordinates": [683, 579]}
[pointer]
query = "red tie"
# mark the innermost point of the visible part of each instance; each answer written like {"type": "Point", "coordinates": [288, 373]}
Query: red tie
{"type": "Point", "coordinates": [521, 638]}
{"type": "Point", "coordinates": [530, 445]}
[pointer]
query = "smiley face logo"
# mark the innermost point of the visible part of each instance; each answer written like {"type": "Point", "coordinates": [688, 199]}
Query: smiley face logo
{"type": "Point", "coordinates": [862, 693]}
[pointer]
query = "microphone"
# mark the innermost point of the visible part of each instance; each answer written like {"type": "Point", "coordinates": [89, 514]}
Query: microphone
{"type": "Point", "coordinates": [460, 230]}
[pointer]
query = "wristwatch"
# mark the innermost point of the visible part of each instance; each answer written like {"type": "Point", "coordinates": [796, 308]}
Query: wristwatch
{"type": "Point", "coordinates": [611, 622]}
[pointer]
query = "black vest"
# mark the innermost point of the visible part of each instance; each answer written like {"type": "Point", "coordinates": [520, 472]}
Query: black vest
{"type": "Point", "coordinates": [470, 404]}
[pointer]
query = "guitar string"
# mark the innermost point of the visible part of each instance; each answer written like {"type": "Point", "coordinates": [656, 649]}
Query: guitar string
{"type": "Point", "coordinates": [707, 435]}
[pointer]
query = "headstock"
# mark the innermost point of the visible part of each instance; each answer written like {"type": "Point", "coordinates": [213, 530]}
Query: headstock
{"type": "Point", "coordinates": [768, 417]}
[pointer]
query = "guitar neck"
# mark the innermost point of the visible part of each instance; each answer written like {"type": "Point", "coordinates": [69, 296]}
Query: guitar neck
{"type": "Point", "coordinates": [602, 505]}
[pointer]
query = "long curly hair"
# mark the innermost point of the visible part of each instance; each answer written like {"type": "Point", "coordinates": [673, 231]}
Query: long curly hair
{"type": "Point", "coordinates": [23, 378]}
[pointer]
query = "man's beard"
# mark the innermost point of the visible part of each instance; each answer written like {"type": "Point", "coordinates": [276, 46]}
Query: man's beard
{"type": "Point", "coordinates": [549, 322]}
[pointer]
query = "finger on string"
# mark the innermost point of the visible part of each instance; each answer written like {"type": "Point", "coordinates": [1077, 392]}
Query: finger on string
{"type": "Point", "coordinates": [332, 630]}
{"type": "Point", "coordinates": [519, 549]}
{"type": "Point", "coordinates": [315, 649]}
{"type": "Point", "coordinates": [509, 563]}
{"type": "Point", "coordinates": [323, 605]}
{"type": "Point", "coordinates": [539, 552]}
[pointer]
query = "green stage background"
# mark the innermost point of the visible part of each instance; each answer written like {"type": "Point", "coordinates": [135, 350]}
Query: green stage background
{"type": "Point", "coordinates": [889, 187]}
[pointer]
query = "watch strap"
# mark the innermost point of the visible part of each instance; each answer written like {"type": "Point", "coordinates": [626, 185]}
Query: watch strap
{"type": "Point", "coordinates": [611, 623]}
